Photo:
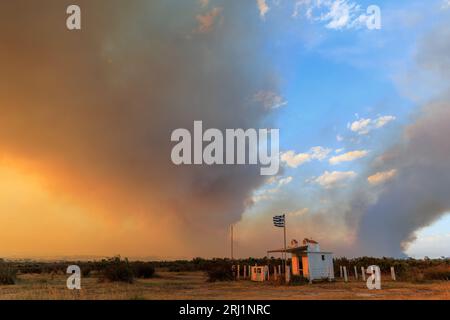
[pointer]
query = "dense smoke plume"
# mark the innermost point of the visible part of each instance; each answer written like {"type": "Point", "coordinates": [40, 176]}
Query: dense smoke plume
{"type": "Point", "coordinates": [93, 110]}
{"type": "Point", "coordinates": [420, 194]}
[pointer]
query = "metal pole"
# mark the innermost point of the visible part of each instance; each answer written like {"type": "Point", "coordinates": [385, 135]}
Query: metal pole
{"type": "Point", "coordinates": [231, 237]}
{"type": "Point", "coordinates": [285, 253]}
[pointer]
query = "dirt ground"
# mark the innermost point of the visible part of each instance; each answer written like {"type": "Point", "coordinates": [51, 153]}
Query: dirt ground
{"type": "Point", "coordinates": [193, 285]}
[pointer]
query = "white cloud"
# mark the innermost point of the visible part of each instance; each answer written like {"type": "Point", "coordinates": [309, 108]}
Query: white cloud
{"type": "Point", "coordinates": [337, 151]}
{"type": "Point", "coordinates": [361, 126]}
{"type": "Point", "coordinates": [294, 160]}
{"type": "Point", "coordinates": [339, 14]}
{"type": "Point", "coordinates": [284, 181]}
{"type": "Point", "coordinates": [272, 187]}
{"type": "Point", "coordinates": [382, 177]}
{"type": "Point", "coordinates": [336, 14]}
{"type": "Point", "coordinates": [278, 181]}
{"type": "Point", "coordinates": [269, 99]}
{"type": "Point", "coordinates": [298, 213]}
{"type": "Point", "coordinates": [349, 156]}
{"type": "Point", "coordinates": [319, 153]}
{"type": "Point", "coordinates": [334, 179]}
{"type": "Point", "coordinates": [339, 138]}
{"type": "Point", "coordinates": [364, 126]}
{"type": "Point", "coordinates": [382, 121]}
{"type": "Point", "coordinates": [262, 7]}
{"type": "Point", "coordinates": [446, 4]}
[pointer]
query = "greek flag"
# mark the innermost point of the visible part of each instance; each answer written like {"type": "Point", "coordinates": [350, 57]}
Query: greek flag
{"type": "Point", "coordinates": [278, 221]}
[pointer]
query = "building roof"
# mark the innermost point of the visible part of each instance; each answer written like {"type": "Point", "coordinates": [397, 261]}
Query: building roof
{"type": "Point", "coordinates": [297, 250]}
{"type": "Point", "coordinates": [306, 240]}
{"type": "Point", "coordinates": [290, 250]}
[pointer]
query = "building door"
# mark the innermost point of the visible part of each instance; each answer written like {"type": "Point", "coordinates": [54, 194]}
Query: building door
{"type": "Point", "coordinates": [295, 265]}
{"type": "Point", "coordinates": [305, 266]}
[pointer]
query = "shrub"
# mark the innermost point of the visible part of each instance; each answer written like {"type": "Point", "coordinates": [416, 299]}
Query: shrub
{"type": "Point", "coordinates": [220, 272]}
{"type": "Point", "coordinates": [7, 275]}
{"type": "Point", "coordinates": [30, 268]}
{"type": "Point", "coordinates": [117, 270]}
{"type": "Point", "coordinates": [86, 271]}
{"type": "Point", "coordinates": [182, 266]}
{"type": "Point", "coordinates": [298, 280]}
{"type": "Point", "coordinates": [440, 272]}
{"type": "Point", "coordinates": [143, 270]}
{"type": "Point", "coordinates": [413, 274]}
{"type": "Point", "coordinates": [175, 269]}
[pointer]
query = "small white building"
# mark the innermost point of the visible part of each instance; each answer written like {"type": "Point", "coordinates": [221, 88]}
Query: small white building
{"type": "Point", "coordinates": [309, 261]}
{"type": "Point", "coordinates": [258, 273]}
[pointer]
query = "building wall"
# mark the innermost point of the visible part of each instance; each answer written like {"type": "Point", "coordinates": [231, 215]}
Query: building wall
{"type": "Point", "coordinates": [320, 265]}
{"type": "Point", "coordinates": [313, 247]}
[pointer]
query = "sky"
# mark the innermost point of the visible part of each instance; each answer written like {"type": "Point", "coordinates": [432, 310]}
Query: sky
{"type": "Point", "coordinates": [87, 116]}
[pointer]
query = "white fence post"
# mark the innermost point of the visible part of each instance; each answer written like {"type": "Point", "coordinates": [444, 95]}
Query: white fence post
{"type": "Point", "coordinates": [341, 272]}
{"type": "Point", "coordinates": [288, 274]}
{"type": "Point", "coordinates": [356, 273]}
{"type": "Point", "coordinates": [345, 274]}
{"type": "Point", "coordinates": [363, 273]}
{"type": "Point", "coordinates": [393, 274]}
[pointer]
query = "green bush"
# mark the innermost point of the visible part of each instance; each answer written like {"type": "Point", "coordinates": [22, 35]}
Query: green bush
{"type": "Point", "coordinates": [220, 272]}
{"type": "Point", "coordinates": [416, 274]}
{"type": "Point", "coordinates": [86, 271]}
{"type": "Point", "coordinates": [298, 280]}
{"type": "Point", "coordinates": [117, 270]}
{"type": "Point", "coordinates": [440, 272]}
{"type": "Point", "coordinates": [143, 270]}
{"type": "Point", "coordinates": [7, 275]}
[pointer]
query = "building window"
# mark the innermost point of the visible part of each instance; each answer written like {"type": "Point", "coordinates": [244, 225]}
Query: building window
{"type": "Point", "coordinates": [323, 257]}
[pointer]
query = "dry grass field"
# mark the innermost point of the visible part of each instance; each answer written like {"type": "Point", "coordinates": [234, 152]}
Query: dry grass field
{"type": "Point", "coordinates": [193, 285]}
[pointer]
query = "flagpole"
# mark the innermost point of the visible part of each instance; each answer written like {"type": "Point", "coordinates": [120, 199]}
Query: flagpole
{"type": "Point", "coordinates": [232, 242]}
{"type": "Point", "coordinates": [285, 253]}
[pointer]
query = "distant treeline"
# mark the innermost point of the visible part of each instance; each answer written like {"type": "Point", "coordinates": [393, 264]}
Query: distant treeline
{"type": "Point", "coordinates": [113, 269]}
{"type": "Point", "coordinates": [118, 269]}
{"type": "Point", "coordinates": [200, 264]}
{"type": "Point", "coordinates": [406, 269]}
